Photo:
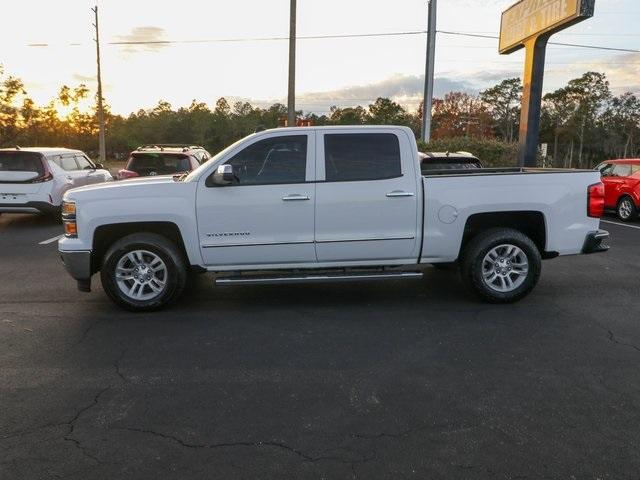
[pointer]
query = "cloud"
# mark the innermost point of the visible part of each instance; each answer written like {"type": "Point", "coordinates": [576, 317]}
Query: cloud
{"type": "Point", "coordinates": [404, 89]}
{"type": "Point", "coordinates": [86, 79]}
{"type": "Point", "coordinates": [622, 71]}
{"type": "Point", "coordinates": [407, 90]}
{"type": "Point", "coordinates": [131, 41]}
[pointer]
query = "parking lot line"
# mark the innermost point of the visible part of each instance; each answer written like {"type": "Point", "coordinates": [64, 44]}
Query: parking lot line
{"type": "Point", "coordinates": [51, 240]}
{"type": "Point", "coordinates": [621, 224]}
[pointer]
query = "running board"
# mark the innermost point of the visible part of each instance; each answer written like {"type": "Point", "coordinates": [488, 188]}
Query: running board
{"type": "Point", "coordinates": [314, 278]}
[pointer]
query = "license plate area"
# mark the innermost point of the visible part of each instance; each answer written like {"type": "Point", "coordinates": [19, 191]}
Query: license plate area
{"type": "Point", "coordinates": [12, 197]}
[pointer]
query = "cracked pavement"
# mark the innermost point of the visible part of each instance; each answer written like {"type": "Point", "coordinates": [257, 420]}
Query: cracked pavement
{"type": "Point", "coordinates": [392, 380]}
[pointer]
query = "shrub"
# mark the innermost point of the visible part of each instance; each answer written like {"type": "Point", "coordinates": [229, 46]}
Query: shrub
{"type": "Point", "coordinates": [492, 153]}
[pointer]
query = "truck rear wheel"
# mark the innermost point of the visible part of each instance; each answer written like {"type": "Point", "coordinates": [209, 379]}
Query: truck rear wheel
{"type": "Point", "coordinates": [501, 265]}
{"type": "Point", "coordinates": [143, 272]}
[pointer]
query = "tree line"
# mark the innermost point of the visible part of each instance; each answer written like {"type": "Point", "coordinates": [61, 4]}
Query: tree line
{"type": "Point", "coordinates": [583, 122]}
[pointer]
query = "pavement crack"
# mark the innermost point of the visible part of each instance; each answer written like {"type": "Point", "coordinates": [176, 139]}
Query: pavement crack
{"type": "Point", "coordinates": [117, 366]}
{"type": "Point", "coordinates": [613, 339]}
{"type": "Point", "coordinates": [86, 332]}
{"type": "Point", "coordinates": [273, 444]}
{"type": "Point", "coordinates": [68, 437]}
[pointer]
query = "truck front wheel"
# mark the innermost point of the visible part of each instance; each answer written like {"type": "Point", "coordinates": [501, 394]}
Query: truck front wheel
{"type": "Point", "coordinates": [143, 272]}
{"type": "Point", "coordinates": [501, 265]}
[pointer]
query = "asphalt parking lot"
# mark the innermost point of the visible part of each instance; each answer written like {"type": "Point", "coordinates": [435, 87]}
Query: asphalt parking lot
{"type": "Point", "coordinates": [385, 380]}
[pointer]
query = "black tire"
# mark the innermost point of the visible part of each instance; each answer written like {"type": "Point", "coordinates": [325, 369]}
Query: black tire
{"type": "Point", "coordinates": [473, 263]}
{"type": "Point", "coordinates": [626, 209]}
{"type": "Point", "coordinates": [56, 214]}
{"type": "Point", "coordinates": [449, 266]}
{"type": "Point", "coordinates": [174, 273]}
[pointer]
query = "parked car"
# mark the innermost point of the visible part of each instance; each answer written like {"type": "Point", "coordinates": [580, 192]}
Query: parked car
{"type": "Point", "coordinates": [163, 159]}
{"type": "Point", "coordinates": [448, 161]}
{"type": "Point", "coordinates": [318, 204]}
{"type": "Point", "coordinates": [33, 180]}
{"type": "Point", "coordinates": [621, 180]}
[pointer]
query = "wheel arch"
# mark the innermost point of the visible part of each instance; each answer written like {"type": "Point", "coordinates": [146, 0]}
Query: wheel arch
{"type": "Point", "coordinates": [106, 235]}
{"type": "Point", "coordinates": [629, 195]}
{"type": "Point", "coordinates": [531, 223]}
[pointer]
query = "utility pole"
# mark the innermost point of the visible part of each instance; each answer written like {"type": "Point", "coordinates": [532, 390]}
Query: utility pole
{"type": "Point", "coordinates": [429, 71]}
{"type": "Point", "coordinates": [291, 100]}
{"type": "Point", "coordinates": [103, 149]}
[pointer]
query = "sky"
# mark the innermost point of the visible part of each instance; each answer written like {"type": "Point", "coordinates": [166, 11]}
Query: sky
{"type": "Point", "coordinates": [343, 72]}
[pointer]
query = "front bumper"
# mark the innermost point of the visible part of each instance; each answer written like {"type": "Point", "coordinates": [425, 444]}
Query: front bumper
{"type": "Point", "coordinates": [78, 264]}
{"type": "Point", "coordinates": [596, 242]}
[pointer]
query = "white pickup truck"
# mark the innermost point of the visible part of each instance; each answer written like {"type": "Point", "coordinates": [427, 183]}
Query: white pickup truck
{"type": "Point", "coordinates": [327, 204]}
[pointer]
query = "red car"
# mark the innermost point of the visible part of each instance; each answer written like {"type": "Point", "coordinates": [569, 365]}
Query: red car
{"type": "Point", "coordinates": [621, 180]}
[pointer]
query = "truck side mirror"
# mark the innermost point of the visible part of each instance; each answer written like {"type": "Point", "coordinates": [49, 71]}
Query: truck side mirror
{"type": "Point", "coordinates": [223, 176]}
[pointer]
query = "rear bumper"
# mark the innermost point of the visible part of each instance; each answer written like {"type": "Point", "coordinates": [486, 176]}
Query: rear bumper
{"type": "Point", "coordinates": [78, 264]}
{"type": "Point", "coordinates": [29, 207]}
{"type": "Point", "coordinates": [596, 242]}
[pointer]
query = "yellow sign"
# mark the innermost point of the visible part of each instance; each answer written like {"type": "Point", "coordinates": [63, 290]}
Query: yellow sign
{"type": "Point", "coordinates": [529, 18]}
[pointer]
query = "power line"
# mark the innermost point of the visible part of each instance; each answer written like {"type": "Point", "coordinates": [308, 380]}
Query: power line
{"type": "Point", "coordinates": [576, 45]}
{"type": "Point", "coordinates": [331, 36]}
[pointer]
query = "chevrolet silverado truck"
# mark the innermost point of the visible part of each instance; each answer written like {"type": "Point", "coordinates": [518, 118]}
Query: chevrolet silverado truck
{"type": "Point", "coordinates": [323, 204]}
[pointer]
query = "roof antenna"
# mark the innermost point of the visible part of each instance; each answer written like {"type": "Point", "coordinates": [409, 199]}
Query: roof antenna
{"type": "Point", "coordinates": [17, 147]}
{"type": "Point", "coordinates": [259, 128]}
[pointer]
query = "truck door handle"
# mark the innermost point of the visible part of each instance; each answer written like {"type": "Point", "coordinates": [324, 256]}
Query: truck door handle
{"type": "Point", "coordinates": [296, 197]}
{"type": "Point", "coordinates": [400, 193]}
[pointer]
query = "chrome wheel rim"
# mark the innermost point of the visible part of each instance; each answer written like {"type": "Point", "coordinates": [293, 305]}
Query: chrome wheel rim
{"type": "Point", "coordinates": [625, 209]}
{"type": "Point", "coordinates": [505, 268]}
{"type": "Point", "coordinates": [141, 275]}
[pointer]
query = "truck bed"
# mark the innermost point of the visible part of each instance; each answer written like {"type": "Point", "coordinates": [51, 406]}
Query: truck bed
{"type": "Point", "coordinates": [500, 171]}
{"type": "Point", "coordinates": [453, 198]}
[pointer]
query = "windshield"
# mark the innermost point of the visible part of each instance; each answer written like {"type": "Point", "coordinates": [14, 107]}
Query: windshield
{"type": "Point", "coordinates": [21, 162]}
{"type": "Point", "coordinates": [196, 173]}
{"type": "Point", "coordinates": [449, 165]}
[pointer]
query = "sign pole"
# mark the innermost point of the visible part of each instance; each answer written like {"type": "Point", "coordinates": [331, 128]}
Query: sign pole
{"type": "Point", "coordinates": [101, 135]}
{"type": "Point", "coordinates": [291, 95]}
{"type": "Point", "coordinates": [427, 104]}
{"type": "Point", "coordinates": [529, 24]}
{"type": "Point", "coordinates": [535, 49]}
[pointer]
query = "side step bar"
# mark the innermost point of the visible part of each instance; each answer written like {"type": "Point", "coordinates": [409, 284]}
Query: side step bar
{"type": "Point", "coordinates": [316, 278]}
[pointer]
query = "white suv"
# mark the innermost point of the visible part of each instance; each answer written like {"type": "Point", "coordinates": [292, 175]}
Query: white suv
{"type": "Point", "coordinates": [33, 180]}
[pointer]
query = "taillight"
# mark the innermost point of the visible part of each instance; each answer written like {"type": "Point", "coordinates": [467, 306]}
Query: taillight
{"type": "Point", "coordinates": [47, 177]}
{"type": "Point", "coordinates": [595, 200]}
{"type": "Point", "coordinates": [123, 174]}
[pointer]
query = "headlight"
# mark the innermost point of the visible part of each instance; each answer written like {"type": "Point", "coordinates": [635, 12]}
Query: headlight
{"type": "Point", "coordinates": [70, 229]}
{"type": "Point", "coordinates": [68, 209]}
{"type": "Point", "coordinates": [69, 219]}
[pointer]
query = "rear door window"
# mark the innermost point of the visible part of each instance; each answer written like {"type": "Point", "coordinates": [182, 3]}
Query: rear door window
{"type": "Point", "coordinates": [66, 162]}
{"type": "Point", "coordinates": [361, 156]}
